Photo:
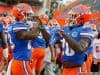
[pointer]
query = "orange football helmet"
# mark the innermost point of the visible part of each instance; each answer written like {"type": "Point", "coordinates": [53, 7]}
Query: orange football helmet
{"type": "Point", "coordinates": [81, 14]}
{"type": "Point", "coordinates": [20, 10]}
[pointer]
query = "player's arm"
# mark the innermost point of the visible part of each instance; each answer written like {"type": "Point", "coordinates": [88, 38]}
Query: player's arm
{"type": "Point", "coordinates": [27, 35]}
{"type": "Point", "coordinates": [3, 40]}
{"type": "Point", "coordinates": [45, 34]}
{"type": "Point", "coordinates": [52, 53]}
{"type": "Point", "coordinates": [79, 47]}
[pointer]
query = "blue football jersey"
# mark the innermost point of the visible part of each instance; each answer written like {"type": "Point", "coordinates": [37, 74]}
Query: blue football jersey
{"type": "Point", "coordinates": [54, 35]}
{"type": "Point", "coordinates": [40, 42]}
{"type": "Point", "coordinates": [20, 50]}
{"type": "Point", "coordinates": [76, 33]}
{"type": "Point", "coordinates": [87, 32]}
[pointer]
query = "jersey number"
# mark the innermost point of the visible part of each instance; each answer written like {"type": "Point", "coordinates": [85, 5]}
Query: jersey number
{"type": "Point", "coordinates": [67, 50]}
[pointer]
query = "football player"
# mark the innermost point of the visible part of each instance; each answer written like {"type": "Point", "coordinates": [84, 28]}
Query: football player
{"type": "Point", "coordinates": [39, 46]}
{"type": "Point", "coordinates": [20, 36]}
{"type": "Point", "coordinates": [76, 39]}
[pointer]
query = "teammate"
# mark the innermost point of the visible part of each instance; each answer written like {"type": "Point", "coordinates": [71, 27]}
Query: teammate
{"type": "Point", "coordinates": [39, 46]}
{"type": "Point", "coordinates": [76, 39]}
{"type": "Point", "coordinates": [50, 56]}
{"type": "Point", "coordinates": [20, 36]}
{"type": "Point", "coordinates": [76, 55]}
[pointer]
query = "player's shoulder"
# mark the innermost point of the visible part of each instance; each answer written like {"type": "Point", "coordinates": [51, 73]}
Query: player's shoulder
{"type": "Point", "coordinates": [87, 28]}
{"type": "Point", "coordinates": [66, 28]}
{"type": "Point", "coordinates": [19, 25]}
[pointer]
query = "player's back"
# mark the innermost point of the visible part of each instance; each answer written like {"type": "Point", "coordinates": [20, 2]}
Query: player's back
{"type": "Point", "coordinates": [39, 42]}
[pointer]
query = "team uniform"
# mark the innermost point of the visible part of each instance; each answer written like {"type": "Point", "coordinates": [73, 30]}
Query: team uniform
{"type": "Point", "coordinates": [21, 53]}
{"type": "Point", "coordinates": [76, 33]}
{"type": "Point", "coordinates": [39, 51]}
{"type": "Point", "coordinates": [69, 54]}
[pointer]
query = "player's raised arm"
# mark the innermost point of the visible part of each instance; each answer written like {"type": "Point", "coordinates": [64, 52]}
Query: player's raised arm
{"type": "Point", "coordinates": [41, 28]}
{"type": "Point", "coordinates": [79, 29]}
{"type": "Point", "coordinates": [79, 47]}
{"type": "Point", "coordinates": [45, 34]}
{"type": "Point", "coordinates": [28, 35]}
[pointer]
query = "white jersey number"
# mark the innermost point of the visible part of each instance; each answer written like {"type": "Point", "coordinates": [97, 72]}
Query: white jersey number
{"type": "Point", "coordinates": [67, 50]}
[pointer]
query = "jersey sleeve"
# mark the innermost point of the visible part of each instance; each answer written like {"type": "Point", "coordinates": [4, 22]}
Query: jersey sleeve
{"type": "Point", "coordinates": [87, 33]}
{"type": "Point", "coordinates": [19, 26]}
{"type": "Point", "coordinates": [1, 27]}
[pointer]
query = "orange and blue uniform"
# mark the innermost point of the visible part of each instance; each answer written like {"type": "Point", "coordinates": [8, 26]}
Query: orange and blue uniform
{"type": "Point", "coordinates": [21, 52]}
{"type": "Point", "coordinates": [38, 54]}
{"type": "Point", "coordinates": [76, 33]}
